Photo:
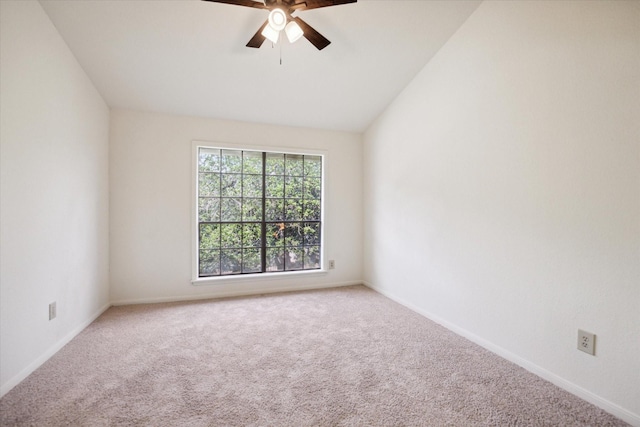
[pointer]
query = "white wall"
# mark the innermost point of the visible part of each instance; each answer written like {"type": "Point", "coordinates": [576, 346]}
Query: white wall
{"type": "Point", "coordinates": [150, 210]}
{"type": "Point", "coordinates": [54, 192]}
{"type": "Point", "coordinates": [502, 191]}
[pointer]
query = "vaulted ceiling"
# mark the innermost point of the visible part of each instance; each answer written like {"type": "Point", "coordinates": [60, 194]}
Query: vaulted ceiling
{"type": "Point", "coordinates": [188, 57]}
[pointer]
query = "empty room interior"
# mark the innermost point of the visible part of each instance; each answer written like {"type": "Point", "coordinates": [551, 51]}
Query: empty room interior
{"type": "Point", "coordinates": [392, 213]}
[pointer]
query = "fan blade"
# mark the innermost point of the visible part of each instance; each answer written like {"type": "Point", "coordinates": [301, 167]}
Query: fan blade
{"type": "Point", "coordinates": [316, 39]}
{"type": "Point", "coordinates": [297, 6]}
{"type": "Point", "coordinates": [257, 39]}
{"type": "Point", "coordinates": [247, 3]}
{"type": "Point", "coordinates": [316, 4]}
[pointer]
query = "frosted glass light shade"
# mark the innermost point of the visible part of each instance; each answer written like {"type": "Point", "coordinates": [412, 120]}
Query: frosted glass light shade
{"type": "Point", "coordinates": [271, 34]}
{"type": "Point", "coordinates": [277, 19]}
{"type": "Point", "coordinates": [294, 32]}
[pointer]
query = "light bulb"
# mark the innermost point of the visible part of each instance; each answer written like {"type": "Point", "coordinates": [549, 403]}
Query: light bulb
{"type": "Point", "coordinates": [271, 34]}
{"type": "Point", "coordinates": [277, 19]}
{"type": "Point", "coordinates": [294, 32]}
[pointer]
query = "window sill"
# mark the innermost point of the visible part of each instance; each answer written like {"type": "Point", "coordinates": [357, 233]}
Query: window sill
{"type": "Point", "coordinates": [260, 277]}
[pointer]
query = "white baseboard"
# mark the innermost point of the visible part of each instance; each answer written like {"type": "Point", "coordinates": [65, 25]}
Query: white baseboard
{"type": "Point", "coordinates": [235, 293]}
{"type": "Point", "coordinates": [17, 379]}
{"type": "Point", "coordinates": [610, 407]}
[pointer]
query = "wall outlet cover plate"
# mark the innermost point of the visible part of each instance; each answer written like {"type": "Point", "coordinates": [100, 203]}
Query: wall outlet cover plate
{"type": "Point", "coordinates": [586, 342]}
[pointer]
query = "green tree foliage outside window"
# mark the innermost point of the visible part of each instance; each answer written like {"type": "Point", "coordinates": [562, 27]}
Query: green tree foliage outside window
{"type": "Point", "coordinates": [258, 212]}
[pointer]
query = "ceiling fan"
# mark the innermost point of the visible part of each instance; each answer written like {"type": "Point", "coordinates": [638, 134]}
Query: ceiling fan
{"type": "Point", "coordinates": [280, 18]}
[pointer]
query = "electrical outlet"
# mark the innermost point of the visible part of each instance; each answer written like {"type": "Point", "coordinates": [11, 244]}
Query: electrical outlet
{"type": "Point", "coordinates": [586, 342]}
{"type": "Point", "coordinates": [52, 310]}
{"type": "Point", "coordinates": [332, 264]}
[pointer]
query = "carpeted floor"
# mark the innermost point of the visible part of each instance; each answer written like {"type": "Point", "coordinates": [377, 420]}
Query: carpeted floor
{"type": "Point", "coordinates": [333, 357]}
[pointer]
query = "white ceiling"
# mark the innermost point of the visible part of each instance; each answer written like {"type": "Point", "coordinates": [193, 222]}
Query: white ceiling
{"type": "Point", "coordinates": [188, 57]}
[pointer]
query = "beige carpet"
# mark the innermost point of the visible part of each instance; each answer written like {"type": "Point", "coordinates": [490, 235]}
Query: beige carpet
{"type": "Point", "coordinates": [335, 357]}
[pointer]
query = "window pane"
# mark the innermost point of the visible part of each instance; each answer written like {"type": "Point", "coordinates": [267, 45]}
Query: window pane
{"type": "Point", "coordinates": [293, 210]}
{"type": "Point", "coordinates": [293, 234]}
{"type": "Point", "coordinates": [251, 236]}
{"type": "Point", "coordinates": [231, 185]}
{"type": "Point", "coordinates": [312, 210]}
{"type": "Point", "coordinates": [312, 257]}
{"type": "Point", "coordinates": [275, 164]}
{"type": "Point", "coordinates": [209, 236]}
{"type": "Point", "coordinates": [275, 234]}
{"type": "Point", "coordinates": [209, 184]}
{"type": "Point", "coordinates": [293, 165]}
{"type": "Point", "coordinates": [252, 162]}
{"type": "Point", "coordinates": [231, 235]}
{"type": "Point", "coordinates": [274, 210]}
{"type": "Point", "coordinates": [313, 166]}
{"type": "Point", "coordinates": [293, 187]}
{"type": "Point", "coordinates": [293, 258]}
{"type": "Point", "coordinates": [252, 209]}
{"type": "Point", "coordinates": [275, 259]}
{"type": "Point", "coordinates": [208, 209]}
{"type": "Point", "coordinates": [312, 233]}
{"type": "Point", "coordinates": [231, 210]}
{"type": "Point", "coordinates": [312, 188]}
{"type": "Point", "coordinates": [209, 263]}
{"type": "Point", "coordinates": [251, 262]}
{"type": "Point", "coordinates": [274, 186]}
{"type": "Point", "coordinates": [252, 186]}
{"type": "Point", "coordinates": [231, 161]}
{"type": "Point", "coordinates": [231, 261]}
{"type": "Point", "coordinates": [209, 160]}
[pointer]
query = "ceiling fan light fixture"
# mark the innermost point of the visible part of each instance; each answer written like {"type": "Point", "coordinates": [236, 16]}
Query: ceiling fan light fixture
{"type": "Point", "coordinates": [277, 19]}
{"type": "Point", "coordinates": [280, 17]}
{"type": "Point", "coordinates": [271, 34]}
{"type": "Point", "coordinates": [293, 31]}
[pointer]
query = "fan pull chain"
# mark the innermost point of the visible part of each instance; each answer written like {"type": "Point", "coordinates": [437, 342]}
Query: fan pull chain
{"type": "Point", "coordinates": [280, 53]}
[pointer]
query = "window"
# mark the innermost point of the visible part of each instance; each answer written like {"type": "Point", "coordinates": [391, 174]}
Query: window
{"type": "Point", "coordinates": [258, 212]}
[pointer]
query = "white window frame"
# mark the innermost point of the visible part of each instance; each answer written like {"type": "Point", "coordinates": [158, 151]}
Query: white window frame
{"type": "Point", "coordinates": [195, 278]}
